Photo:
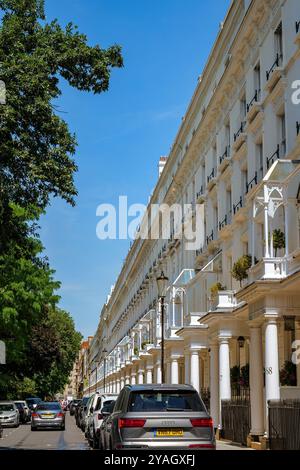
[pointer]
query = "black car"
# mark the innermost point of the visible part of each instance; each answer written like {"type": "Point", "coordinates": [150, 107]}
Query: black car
{"type": "Point", "coordinates": [32, 402]}
{"type": "Point", "coordinates": [22, 412]}
{"type": "Point", "coordinates": [73, 405]}
{"type": "Point", "coordinates": [80, 412]}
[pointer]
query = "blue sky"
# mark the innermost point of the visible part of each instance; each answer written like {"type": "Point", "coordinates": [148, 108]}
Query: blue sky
{"type": "Point", "coordinates": [121, 134]}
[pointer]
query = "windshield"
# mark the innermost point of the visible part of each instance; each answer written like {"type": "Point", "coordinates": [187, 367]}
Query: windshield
{"type": "Point", "coordinates": [85, 400]}
{"type": "Point", "coordinates": [165, 401]}
{"type": "Point", "coordinates": [6, 407]}
{"type": "Point", "coordinates": [48, 406]}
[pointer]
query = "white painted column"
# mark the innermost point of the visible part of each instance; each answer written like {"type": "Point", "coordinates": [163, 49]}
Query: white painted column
{"type": "Point", "coordinates": [286, 227]}
{"type": "Point", "coordinates": [118, 386]}
{"type": "Point", "coordinates": [256, 382]}
{"type": "Point", "coordinates": [266, 218]}
{"type": "Point", "coordinates": [271, 359]}
{"type": "Point", "coordinates": [133, 377]}
{"type": "Point", "coordinates": [187, 366]}
{"type": "Point", "coordinates": [174, 371]}
{"type": "Point", "coordinates": [158, 373]}
{"type": "Point", "coordinates": [224, 370]}
{"type": "Point", "coordinates": [214, 384]}
{"type": "Point", "coordinates": [149, 375]}
{"type": "Point", "coordinates": [253, 234]}
{"type": "Point", "coordinates": [122, 382]}
{"type": "Point", "coordinates": [127, 379]}
{"type": "Point", "coordinates": [296, 353]}
{"type": "Point", "coordinates": [140, 376]}
{"type": "Point", "coordinates": [195, 370]}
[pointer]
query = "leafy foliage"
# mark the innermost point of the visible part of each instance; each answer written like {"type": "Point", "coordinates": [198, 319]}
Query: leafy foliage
{"type": "Point", "coordinates": [278, 240]}
{"type": "Point", "coordinates": [37, 163]}
{"type": "Point", "coordinates": [240, 268]}
{"type": "Point", "coordinates": [288, 374]}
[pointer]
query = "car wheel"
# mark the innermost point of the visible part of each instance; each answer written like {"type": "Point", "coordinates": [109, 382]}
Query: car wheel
{"type": "Point", "coordinates": [33, 428]}
{"type": "Point", "coordinates": [95, 441]}
{"type": "Point", "coordinates": [63, 428]}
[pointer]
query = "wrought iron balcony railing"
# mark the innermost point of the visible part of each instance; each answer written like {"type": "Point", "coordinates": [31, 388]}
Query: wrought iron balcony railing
{"type": "Point", "coordinates": [238, 206]}
{"type": "Point", "coordinates": [276, 63]}
{"type": "Point", "coordinates": [200, 193]}
{"type": "Point", "coordinates": [210, 238]}
{"type": "Point", "coordinates": [254, 100]}
{"type": "Point", "coordinates": [223, 223]}
{"type": "Point", "coordinates": [239, 131]}
{"type": "Point", "coordinates": [251, 184]}
{"type": "Point", "coordinates": [211, 176]}
{"type": "Point", "coordinates": [273, 157]}
{"type": "Point", "coordinates": [225, 155]}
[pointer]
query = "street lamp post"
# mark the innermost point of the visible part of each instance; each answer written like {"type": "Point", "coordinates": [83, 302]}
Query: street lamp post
{"type": "Point", "coordinates": [104, 369]}
{"type": "Point", "coordinates": [162, 282]}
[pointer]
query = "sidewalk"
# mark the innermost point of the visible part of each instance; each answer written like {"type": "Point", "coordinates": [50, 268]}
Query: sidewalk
{"type": "Point", "coordinates": [227, 445]}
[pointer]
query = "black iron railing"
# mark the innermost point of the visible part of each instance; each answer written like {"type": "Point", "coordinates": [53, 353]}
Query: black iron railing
{"type": "Point", "coordinates": [210, 238]}
{"type": "Point", "coordinates": [284, 424]}
{"type": "Point", "coordinates": [254, 100]}
{"type": "Point", "coordinates": [211, 176]}
{"type": "Point", "coordinates": [238, 206]}
{"type": "Point", "coordinates": [273, 157]}
{"type": "Point", "coordinates": [225, 155]}
{"type": "Point", "coordinates": [252, 183]}
{"type": "Point", "coordinates": [298, 127]}
{"type": "Point", "coordinates": [276, 64]}
{"type": "Point", "coordinates": [239, 131]}
{"type": "Point", "coordinates": [199, 252]}
{"type": "Point", "coordinates": [223, 223]}
{"type": "Point", "coordinates": [236, 419]}
{"type": "Point", "coordinates": [200, 193]}
{"type": "Point", "coordinates": [297, 27]}
{"type": "Point", "coordinates": [205, 395]}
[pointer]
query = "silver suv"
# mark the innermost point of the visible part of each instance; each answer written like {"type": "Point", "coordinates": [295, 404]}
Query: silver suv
{"type": "Point", "coordinates": [158, 417]}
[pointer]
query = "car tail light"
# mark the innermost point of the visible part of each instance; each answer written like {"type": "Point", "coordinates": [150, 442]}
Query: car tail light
{"type": "Point", "coordinates": [131, 423]}
{"type": "Point", "coordinates": [201, 446]}
{"type": "Point", "coordinates": [202, 423]}
{"type": "Point", "coordinates": [34, 415]}
{"type": "Point", "coordinates": [60, 415]}
{"type": "Point", "coordinates": [100, 416]}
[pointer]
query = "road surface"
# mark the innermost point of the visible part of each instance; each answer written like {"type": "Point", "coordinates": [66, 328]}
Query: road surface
{"type": "Point", "coordinates": [70, 439]}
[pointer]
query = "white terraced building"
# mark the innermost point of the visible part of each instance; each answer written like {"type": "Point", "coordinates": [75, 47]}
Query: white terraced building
{"type": "Point", "coordinates": [236, 155]}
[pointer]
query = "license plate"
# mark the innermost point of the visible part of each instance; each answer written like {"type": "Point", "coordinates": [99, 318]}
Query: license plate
{"type": "Point", "coordinates": [168, 433]}
{"type": "Point", "coordinates": [47, 416]}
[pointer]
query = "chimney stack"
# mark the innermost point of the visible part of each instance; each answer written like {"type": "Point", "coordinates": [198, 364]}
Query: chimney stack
{"type": "Point", "coordinates": [161, 165]}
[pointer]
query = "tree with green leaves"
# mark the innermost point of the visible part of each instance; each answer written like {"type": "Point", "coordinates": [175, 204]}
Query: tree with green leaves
{"type": "Point", "coordinates": [36, 163]}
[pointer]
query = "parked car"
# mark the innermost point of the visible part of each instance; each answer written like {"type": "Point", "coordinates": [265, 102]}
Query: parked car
{"type": "Point", "coordinates": [105, 412]}
{"type": "Point", "coordinates": [94, 417]}
{"type": "Point", "coordinates": [77, 410]}
{"type": "Point", "coordinates": [32, 402]}
{"type": "Point", "coordinates": [73, 405]}
{"type": "Point", "coordinates": [85, 414]}
{"type": "Point", "coordinates": [9, 414]}
{"type": "Point", "coordinates": [27, 413]}
{"type": "Point", "coordinates": [158, 417]}
{"type": "Point", "coordinates": [48, 415]}
{"type": "Point", "coordinates": [22, 413]}
{"type": "Point", "coordinates": [81, 412]}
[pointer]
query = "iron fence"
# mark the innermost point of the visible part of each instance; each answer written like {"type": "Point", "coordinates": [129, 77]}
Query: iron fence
{"type": "Point", "coordinates": [236, 419]}
{"type": "Point", "coordinates": [205, 395]}
{"type": "Point", "coordinates": [284, 424]}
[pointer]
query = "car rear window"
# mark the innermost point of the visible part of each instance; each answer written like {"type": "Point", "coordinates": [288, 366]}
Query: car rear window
{"type": "Point", "coordinates": [48, 406]}
{"type": "Point", "coordinates": [165, 401]}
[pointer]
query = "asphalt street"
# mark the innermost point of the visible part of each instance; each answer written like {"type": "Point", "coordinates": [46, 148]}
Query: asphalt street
{"type": "Point", "coordinates": [70, 439]}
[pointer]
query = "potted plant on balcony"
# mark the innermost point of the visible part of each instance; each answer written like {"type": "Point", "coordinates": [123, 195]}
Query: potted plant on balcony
{"type": "Point", "coordinates": [278, 240]}
{"type": "Point", "coordinates": [288, 374]}
{"type": "Point", "coordinates": [215, 288]}
{"type": "Point", "coordinates": [144, 344]}
{"type": "Point", "coordinates": [136, 351]}
{"type": "Point", "coordinates": [240, 268]}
